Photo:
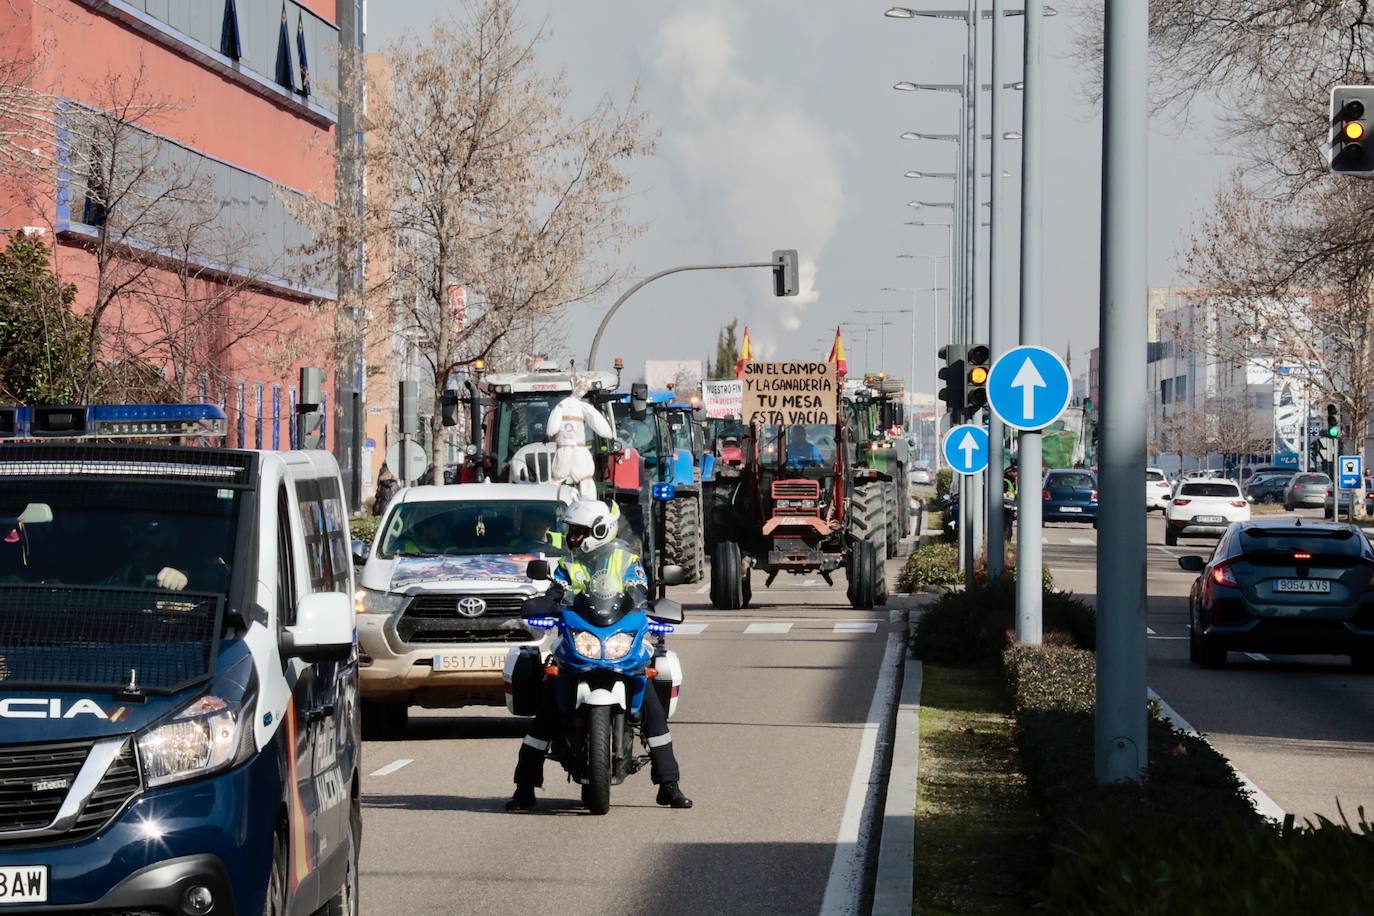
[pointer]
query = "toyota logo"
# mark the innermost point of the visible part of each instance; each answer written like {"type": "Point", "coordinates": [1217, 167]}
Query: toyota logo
{"type": "Point", "coordinates": [471, 607]}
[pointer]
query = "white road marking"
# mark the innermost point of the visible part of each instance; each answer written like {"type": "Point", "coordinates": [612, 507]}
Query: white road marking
{"type": "Point", "coordinates": [1265, 805]}
{"type": "Point", "coordinates": [1257, 656]}
{"type": "Point", "coordinates": [856, 626]}
{"type": "Point", "coordinates": [1082, 542]}
{"type": "Point", "coordinates": [844, 887]}
{"type": "Point", "coordinates": [689, 629]}
{"type": "Point", "coordinates": [1167, 638]}
{"type": "Point", "coordinates": [392, 767]}
{"type": "Point", "coordinates": [808, 583]}
{"type": "Point", "coordinates": [760, 628]}
{"type": "Point", "coordinates": [704, 589]}
{"type": "Point", "coordinates": [1149, 631]}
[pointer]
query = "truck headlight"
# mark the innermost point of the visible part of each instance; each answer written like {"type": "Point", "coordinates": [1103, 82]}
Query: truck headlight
{"type": "Point", "coordinates": [372, 601]}
{"type": "Point", "coordinates": [200, 739]}
{"type": "Point", "coordinates": [619, 645]}
{"type": "Point", "coordinates": [586, 644]}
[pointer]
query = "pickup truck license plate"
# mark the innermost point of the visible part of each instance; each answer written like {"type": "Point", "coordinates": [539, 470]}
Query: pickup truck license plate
{"type": "Point", "coordinates": [1306, 586]}
{"type": "Point", "coordinates": [27, 883]}
{"type": "Point", "coordinates": [1211, 519]}
{"type": "Point", "coordinates": [470, 661]}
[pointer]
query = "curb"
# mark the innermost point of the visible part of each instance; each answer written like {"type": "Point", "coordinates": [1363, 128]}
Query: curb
{"type": "Point", "coordinates": [894, 884]}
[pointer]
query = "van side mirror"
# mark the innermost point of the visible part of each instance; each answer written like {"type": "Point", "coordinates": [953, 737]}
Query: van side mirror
{"type": "Point", "coordinates": [323, 631]}
{"type": "Point", "coordinates": [1192, 564]}
{"type": "Point", "coordinates": [673, 575]}
{"type": "Point", "coordinates": [360, 552]}
{"type": "Point", "coordinates": [538, 570]}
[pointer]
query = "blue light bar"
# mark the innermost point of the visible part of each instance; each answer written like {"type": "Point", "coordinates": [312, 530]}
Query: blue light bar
{"type": "Point", "coordinates": [541, 623]}
{"type": "Point", "coordinates": [664, 492]}
{"type": "Point", "coordinates": [113, 421]}
{"type": "Point", "coordinates": [665, 628]}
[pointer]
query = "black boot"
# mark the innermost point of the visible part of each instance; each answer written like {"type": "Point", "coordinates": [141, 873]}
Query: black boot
{"type": "Point", "coordinates": [524, 800]}
{"type": "Point", "coordinates": [671, 796]}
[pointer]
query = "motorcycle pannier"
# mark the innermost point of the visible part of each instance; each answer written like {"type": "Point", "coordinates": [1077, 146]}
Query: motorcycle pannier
{"type": "Point", "coordinates": [668, 683]}
{"type": "Point", "coordinates": [523, 674]}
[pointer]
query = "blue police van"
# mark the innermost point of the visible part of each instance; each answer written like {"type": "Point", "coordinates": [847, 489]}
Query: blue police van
{"type": "Point", "coordinates": [178, 671]}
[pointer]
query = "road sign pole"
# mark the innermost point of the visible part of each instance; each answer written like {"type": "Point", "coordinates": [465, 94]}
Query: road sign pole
{"type": "Point", "coordinates": [1030, 538]}
{"type": "Point", "coordinates": [977, 514]}
{"type": "Point", "coordinates": [996, 320]}
{"type": "Point", "coordinates": [1120, 722]}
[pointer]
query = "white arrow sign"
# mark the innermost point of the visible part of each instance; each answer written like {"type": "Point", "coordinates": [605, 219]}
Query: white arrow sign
{"type": "Point", "coordinates": [969, 446]}
{"type": "Point", "coordinates": [1028, 379]}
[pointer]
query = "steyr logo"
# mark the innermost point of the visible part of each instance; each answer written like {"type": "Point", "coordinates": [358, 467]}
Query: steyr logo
{"type": "Point", "coordinates": [53, 708]}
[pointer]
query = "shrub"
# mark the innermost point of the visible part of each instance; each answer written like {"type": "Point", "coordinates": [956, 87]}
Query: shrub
{"type": "Point", "coordinates": [363, 528]}
{"type": "Point", "coordinates": [931, 564]}
{"type": "Point", "coordinates": [944, 479]}
{"type": "Point", "coordinates": [971, 626]}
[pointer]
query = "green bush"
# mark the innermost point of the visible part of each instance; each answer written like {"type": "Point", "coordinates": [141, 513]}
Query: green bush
{"type": "Point", "coordinates": [363, 528]}
{"type": "Point", "coordinates": [972, 626]}
{"type": "Point", "coordinates": [932, 564]}
{"type": "Point", "coordinates": [944, 479]}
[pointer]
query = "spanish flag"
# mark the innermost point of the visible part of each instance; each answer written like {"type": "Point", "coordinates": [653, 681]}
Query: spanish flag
{"type": "Point", "coordinates": [746, 354]}
{"type": "Point", "coordinates": [837, 357]}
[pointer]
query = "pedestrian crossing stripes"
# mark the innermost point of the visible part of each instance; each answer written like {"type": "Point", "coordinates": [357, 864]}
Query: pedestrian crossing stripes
{"type": "Point", "coordinates": [755, 627]}
{"type": "Point", "coordinates": [689, 629]}
{"type": "Point", "coordinates": [856, 626]}
{"type": "Point", "coordinates": [768, 628]}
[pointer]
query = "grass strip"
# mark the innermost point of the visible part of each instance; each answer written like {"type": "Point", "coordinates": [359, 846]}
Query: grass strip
{"type": "Point", "coordinates": [977, 824]}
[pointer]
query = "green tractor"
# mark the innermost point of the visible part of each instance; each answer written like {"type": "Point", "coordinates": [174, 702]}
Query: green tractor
{"type": "Point", "coordinates": [877, 410]}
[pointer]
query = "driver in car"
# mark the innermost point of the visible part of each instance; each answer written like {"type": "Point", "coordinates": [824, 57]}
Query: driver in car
{"type": "Point", "coordinates": [801, 451]}
{"type": "Point", "coordinates": [152, 544]}
{"type": "Point", "coordinates": [596, 553]}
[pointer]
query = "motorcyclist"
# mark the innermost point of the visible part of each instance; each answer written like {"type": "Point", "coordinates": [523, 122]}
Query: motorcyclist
{"type": "Point", "coordinates": [567, 427]}
{"type": "Point", "coordinates": [596, 553]}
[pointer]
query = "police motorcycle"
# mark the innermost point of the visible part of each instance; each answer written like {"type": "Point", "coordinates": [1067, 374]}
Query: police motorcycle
{"type": "Point", "coordinates": [607, 653]}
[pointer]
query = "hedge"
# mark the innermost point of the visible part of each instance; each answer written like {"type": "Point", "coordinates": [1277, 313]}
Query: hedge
{"type": "Point", "coordinates": [363, 528]}
{"type": "Point", "coordinates": [971, 626]}
{"type": "Point", "coordinates": [935, 564]}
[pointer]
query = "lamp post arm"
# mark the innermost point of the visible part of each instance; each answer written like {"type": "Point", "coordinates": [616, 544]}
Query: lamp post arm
{"type": "Point", "coordinates": [615, 306]}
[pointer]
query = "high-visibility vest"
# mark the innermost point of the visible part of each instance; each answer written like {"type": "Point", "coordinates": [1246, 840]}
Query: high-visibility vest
{"type": "Point", "coordinates": [617, 566]}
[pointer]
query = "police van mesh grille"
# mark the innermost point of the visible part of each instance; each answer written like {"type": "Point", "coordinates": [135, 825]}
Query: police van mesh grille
{"type": "Point", "coordinates": [106, 638]}
{"type": "Point", "coordinates": [22, 807]}
{"type": "Point", "coordinates": [212, 467]}
{"type": "Point", "coordinates": [116, 787]}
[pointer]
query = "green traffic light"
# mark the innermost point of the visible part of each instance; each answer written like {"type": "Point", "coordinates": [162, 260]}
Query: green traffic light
{"type": "Point", "coordinates": [1333, 432]}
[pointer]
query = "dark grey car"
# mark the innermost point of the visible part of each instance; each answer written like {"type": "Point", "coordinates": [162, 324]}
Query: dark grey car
{"type": "Point", "coordinates": [1283, 587]}
{"type": "Point", "coordinates": [1268, 486]}
{"type": "Point", "coordinates": [1306, 491]}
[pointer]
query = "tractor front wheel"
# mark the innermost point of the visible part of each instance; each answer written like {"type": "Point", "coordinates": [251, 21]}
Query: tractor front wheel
{"type": "Point", "coordinates": [868, 515]}
{"type": "Point", "coordinates": [727, 577]}
{"type": "Point", "coordinates": [865, 576]}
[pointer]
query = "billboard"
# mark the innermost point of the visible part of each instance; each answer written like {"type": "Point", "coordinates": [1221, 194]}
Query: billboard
{"type": "Point", "coordinates": [682, 375]}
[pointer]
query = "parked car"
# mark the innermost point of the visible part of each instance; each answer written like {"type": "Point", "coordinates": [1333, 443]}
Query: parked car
{"type": "Point", "coordinates": [920, 474]}
{"type": "Point", "coordinates": [1284, 588]}
{"type": "Point", "coordinates": [1207, 473]}
{"type": "Point", "coordinates": [1307, 491]}
{"type": "Point", "coordinates": [1070, 496]}
{"type": "Point", "coordinates": [1347, 498]}
{"type": "Point", "coordinates": [1204, 508]}
{"type": "Point", "coordinates": [1269, 486]}
{"type": "Point", "coordinates": [1157, 487]}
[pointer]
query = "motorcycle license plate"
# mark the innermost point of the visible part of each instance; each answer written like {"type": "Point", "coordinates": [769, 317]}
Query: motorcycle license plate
{"type": "Point", "coordinates": [1304, 586]}
{"type": "Point", "coordinates": [470, 661]}
{"type": "Point", "coordinates": [23, 883]}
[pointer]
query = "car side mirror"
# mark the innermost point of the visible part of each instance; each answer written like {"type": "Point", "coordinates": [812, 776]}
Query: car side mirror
{"type": "Point", "coordinates": [360, 552]}
{"type": "Point", "coordinates": [323, 631]}
{"type": "Point", "coordinates": [665, 610]}
{"type": "Point", "coordinates": [673, 575]}
{"type": "Point", "coordinates": [538, 570]}
{"type": "Point", "coordinates": [1192, 564]}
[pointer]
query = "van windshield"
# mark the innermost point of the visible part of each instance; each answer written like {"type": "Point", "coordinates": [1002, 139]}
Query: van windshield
{"type": "Point", "coordinates": [471, 528]}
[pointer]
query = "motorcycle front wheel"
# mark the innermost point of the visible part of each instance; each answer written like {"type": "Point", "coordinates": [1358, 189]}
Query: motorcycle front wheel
{"type": "Point", "coordinates": [596, 793]}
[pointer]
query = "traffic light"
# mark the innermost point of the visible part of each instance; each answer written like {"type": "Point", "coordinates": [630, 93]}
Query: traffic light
{"type": "Point", "coordinates": [408, 408]}
{"type": "Point", "coordinates": [976, 364]}
{"type": "Point", "coordinates": [1352, 118]}
{"type": "Point", "coordinates": [1333, 423]}
{"type": "Point", "coordinates": [786, 281]}
{"type": "Point", "coordinates": [953, 376]}
{"type": "Point", "coordinates": [310, 410]}
{"type": "Point", "coordinates": [449, 401]}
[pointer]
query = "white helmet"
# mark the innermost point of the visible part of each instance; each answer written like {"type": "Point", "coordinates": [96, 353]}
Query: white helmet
{"type": "Point", "coordinates": [591, 524]}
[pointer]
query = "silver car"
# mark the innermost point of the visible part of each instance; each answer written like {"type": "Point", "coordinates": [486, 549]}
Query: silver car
{"type": "Point", "coordinates": [1306, 491]}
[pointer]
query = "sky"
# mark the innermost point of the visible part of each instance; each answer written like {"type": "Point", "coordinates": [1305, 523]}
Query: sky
{"type": "Point", "coordinates": [779, 128]}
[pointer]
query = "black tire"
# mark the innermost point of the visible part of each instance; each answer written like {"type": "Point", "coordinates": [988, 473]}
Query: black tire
{"type": "Point", "coordinates": [1194, 651]}
{"type": "Point", "coordinates": [274, 901]}
{"type": "Point", "coordinates": [1362, 661]}
{"type": "Point", "coordinates": [596, 793]}
{"type": "Point", "coordinates": [345, 901]}
{"type": "Point", "coordinates": [1170, 538]}
{"type": "Point", "coordinates": [1209, 655]}
{"type": "Point", "coordinates": [383, 720]}
{"type": "Point", "coordinates": [894, 522]}
{"type": "Point", "coordinates": [863, 576]}
{"type": "Point", "coordinates": [727, 577]}
{"type": "Point", "coordinates": [747, 588]}
{"type": "Point", "coordinates": [683, 536]}
{"type": "Point", "coordinates": [868, 515]}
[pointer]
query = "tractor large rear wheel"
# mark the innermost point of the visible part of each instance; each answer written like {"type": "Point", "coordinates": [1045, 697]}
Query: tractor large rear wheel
{"type": "Point", "coordinates": [868, 515]}
{"type": "Point", "coordinates": [683, 536]}
{"type": "Point", "coordinates": [727, 577]}
{"type": "Point", "coordinates": [865, 576]}
{"type": "Point", "coordinates": [894, 519]}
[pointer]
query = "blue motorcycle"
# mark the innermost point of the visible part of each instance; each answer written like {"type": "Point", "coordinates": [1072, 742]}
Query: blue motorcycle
{"type": "Point", "coordinates": [607, 654]}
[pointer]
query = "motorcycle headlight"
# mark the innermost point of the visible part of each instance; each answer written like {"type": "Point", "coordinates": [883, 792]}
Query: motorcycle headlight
{"type": "Point", "coordinates": [371, 601]}
{"type": "Point", "coordinates": [619, 645]}
{"type": "Point", "coordinates": [586, 644]}
{"type": "Point", "coordinates": [200, 739]}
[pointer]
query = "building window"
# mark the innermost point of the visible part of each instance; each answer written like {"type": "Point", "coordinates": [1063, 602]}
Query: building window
{"type": "Point", "coordinates": [284, 76]}
{"type": "Point", "coordinates": [94, 211]}
{"type": "Point", "coordinates": [300, 52]}
{"type": "Point", "coordinates": [229, 44]}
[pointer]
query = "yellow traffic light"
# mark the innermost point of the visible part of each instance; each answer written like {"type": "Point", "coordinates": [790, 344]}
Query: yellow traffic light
{"type": "Point", "coordinates": [1353, 131]}
{"type": "Point", "coordinates": [978, 375]}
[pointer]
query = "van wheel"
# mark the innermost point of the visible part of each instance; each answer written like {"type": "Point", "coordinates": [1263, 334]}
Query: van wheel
{"type": "Point", "coordinates": [275, 902]}
{"type": "Point", "coordinates": [345, 902]}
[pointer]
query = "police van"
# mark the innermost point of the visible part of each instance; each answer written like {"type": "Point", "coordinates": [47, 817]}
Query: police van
{"type": "Point", "coordinates": [178, 671]}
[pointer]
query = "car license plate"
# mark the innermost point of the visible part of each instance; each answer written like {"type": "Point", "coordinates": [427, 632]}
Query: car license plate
{"type": "Point", "coordinates": [27, 883]}
{"type": "Point", "coordinates": [1211, 519]}
{"type": "Point", "coordinates": [1070, 508]}
{"type": "Point", "coordinates": [1306, 586]}
{"type": "Point", "coordinates": [470, 661]}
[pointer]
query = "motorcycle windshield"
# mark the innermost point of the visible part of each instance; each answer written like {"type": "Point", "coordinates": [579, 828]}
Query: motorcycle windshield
{"type": "Point", "coordinates": [602, 607]}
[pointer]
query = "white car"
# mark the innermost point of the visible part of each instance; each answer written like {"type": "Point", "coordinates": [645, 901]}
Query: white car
{"type": "Point", "coordinates": [1204, 507]}
{"type": "Point", "coordinates": [442, 589]}
{"type": "Point", "coordinates": [1157, 487]}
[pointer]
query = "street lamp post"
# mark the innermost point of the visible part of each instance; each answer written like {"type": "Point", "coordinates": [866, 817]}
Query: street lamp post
{"type": "Point", "coordinates": [934, 340]}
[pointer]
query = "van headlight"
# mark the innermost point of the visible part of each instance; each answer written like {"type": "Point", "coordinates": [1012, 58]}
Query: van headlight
{"type": "Point", "coordinates": [619, 645]}
{"type": "Point", "coordinates": [372, 601]}
{"type": "Point", "coordinates": [200, 739]}
{"type": "Point", "coordinates": [586, 644]}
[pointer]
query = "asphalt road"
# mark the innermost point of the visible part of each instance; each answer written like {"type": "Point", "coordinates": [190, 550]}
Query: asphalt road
{"type": "Point", "coordinates": [1300, 727]}
{"type": "Point", "coordinates": [768, 730]}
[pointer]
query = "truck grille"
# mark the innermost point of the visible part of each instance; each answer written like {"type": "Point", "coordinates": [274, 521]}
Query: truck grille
{"type": "Point", "coordinates": [21, 766]}
{"type": "Point", "coordinates": [796, 489]}
{"type": "Point", "coordinates": [116, 787]}
{"type": "Point", "coordinates": [436, 618]}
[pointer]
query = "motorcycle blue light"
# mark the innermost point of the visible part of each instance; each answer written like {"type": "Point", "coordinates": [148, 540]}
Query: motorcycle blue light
{"type": "Point", "coordinates": [661, 628]}
{"type": "Point", "coordinates": [541, 623]}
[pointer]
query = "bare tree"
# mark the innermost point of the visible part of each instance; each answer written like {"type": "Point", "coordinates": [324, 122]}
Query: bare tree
{"type": "Point", "coordinates": [479, 176]}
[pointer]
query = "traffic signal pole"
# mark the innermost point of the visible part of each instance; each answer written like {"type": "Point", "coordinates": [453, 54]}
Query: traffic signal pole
{"type": "Point", "coordinates": [996, 320]}
{"type": "Point", "coordinates": [1120, 720]}
{"type": "Point", "coordinates": [1030, 540]}
{"type": "Point", "coordinates": [976, 514]}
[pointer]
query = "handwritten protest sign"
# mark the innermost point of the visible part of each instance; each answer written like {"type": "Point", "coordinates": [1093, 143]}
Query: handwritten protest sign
{"type": "Point", "coordinates": [723, 398]}
{"type": "Point", "coordinates": [790, 393]}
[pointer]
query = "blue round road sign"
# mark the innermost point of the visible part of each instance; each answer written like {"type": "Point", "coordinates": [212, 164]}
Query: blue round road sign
{"type": "Point", "coordinates": [1029, 387]}
{"type": "Point", "coordinates": [966, 449]}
